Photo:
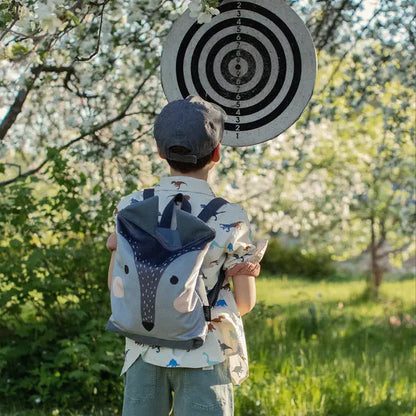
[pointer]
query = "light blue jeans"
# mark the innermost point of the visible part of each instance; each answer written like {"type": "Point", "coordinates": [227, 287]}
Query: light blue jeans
{"type": "Point", "coordinates": [150, 390]}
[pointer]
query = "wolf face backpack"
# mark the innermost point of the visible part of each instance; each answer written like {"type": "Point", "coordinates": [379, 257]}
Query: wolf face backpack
{"type": "Point", "coordinates": [157, 295]}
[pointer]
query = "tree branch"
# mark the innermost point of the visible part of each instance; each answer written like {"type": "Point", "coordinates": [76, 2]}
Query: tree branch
{"type": "Point", "coordinates": [20, 99]}
{"type": "Point", "coordinates": [16, 107]}
{"type": "Point", "coordinates": [341, 60]}
{"type": "Point", "coordinates": [15, 19]}
{"type": "Point", "coordinates": [95, 129]}
{"type": "Point", "coordinates": [319, 26]}
{"type": "Point", "coordinates": [255, 195]}
{"type": "Point", "coordinates": [393, 251]}
{"type": "Point", "coordinates": [97, 46]}
{"type": "Point", "coordinates": [325, 39]}
{"type": "Point", "coordinates": [19, 168]}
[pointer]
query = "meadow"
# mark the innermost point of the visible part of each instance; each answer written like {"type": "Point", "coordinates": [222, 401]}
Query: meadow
{"type": "Point", "coordinates": [322, 348]}
{"type": "Point", "coordinates": [325, 349]}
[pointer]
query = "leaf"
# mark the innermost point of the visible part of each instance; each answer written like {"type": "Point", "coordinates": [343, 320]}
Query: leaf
{"type": "Point", "coordinates": [14, 243]}
{"type": "Point", "coordinates": [97, 367]}
{"type": "Point", "coordinates": [72, 16]}
{"type": "Point", "coordinates": [19, 50]}
{"type": "Point", "coordinates": [52, 152]}
{"type": "Point", "coordinates": [77, 375]}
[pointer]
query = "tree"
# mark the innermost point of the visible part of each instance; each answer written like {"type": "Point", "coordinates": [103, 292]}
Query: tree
{"type": "Point", "coordinates": [341, 180]}
{"type": "Point", "coordinates": [85, 76]}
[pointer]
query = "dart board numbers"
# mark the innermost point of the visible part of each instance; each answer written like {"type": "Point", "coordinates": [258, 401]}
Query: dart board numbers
{"type": "Point", "coordinates": [238, 70]}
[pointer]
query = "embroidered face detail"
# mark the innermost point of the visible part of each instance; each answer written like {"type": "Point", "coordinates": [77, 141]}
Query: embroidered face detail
{"type": "Point", "coordinates": [186, 300]}
{"type": "Point", "coordinates": [165, 264]}
{"type": "Point", "coordinates": [158, 281]}
{"type": "Point", "coordinates": [118, 288]}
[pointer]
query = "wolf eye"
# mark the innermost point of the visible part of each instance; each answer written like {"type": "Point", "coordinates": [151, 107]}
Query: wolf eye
{"type": "Point", "coordinates": [174, 280]}
{"type": "Point", "coordinates": [126, 269]}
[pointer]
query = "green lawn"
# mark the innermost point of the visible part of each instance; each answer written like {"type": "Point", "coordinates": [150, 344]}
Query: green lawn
{"type": "Point", "coordinates": [321, 348]}
{"type": "Point", "coordinates": [292, 291]}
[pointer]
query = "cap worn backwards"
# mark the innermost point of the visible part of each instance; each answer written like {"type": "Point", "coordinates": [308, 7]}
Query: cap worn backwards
{"type": "Point", "coordinates": [192, 123]}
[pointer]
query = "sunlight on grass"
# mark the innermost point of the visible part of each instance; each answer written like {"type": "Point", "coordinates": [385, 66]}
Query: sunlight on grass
{"type": "Point", "coordinates": [321, 348]}
{"type": "Point", "coordinates": [284, 291]}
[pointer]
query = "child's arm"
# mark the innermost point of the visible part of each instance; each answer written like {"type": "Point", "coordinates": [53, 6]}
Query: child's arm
{"type": "Point", "coordinates": [242, 262]}
{"type": "Point", "coordinates": [244, 293]}
{"type": "Point", "coordinates": [110, 269]}
{"type": "Point", "coordinates": [112, 246]}
{"type": "Point", "coordinates": [243, 276]}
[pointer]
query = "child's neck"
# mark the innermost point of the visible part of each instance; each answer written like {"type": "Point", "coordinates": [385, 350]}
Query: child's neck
{"type": "Point", "coordinates": [197, 174]}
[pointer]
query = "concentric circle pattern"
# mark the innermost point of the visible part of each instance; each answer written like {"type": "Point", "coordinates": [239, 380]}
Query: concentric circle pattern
{"type": "Point", "coordinates": [256, 60]}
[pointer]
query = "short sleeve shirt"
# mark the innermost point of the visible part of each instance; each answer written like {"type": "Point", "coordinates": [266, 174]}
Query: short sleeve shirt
{"type": "Point", "coordinates": [232, 245]}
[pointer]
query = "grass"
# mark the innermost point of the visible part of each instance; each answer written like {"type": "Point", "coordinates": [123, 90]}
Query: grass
{"type": "Point", "coordinates": [322, 348]}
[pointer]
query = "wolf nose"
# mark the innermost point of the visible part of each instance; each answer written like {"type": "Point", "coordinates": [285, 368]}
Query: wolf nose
{"type": "Point", "coordinates": [148, 325]}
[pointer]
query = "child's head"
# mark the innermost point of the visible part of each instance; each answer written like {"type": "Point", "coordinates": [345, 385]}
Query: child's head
{"type": "Point", "coordinates": [188, 133]}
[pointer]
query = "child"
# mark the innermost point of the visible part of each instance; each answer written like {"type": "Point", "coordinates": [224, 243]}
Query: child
{"type": "Point", "coordinates": [188, 134]}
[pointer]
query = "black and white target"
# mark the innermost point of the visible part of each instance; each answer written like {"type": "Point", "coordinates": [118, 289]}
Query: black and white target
{"type": "Point", "coordinates": [256, 60]}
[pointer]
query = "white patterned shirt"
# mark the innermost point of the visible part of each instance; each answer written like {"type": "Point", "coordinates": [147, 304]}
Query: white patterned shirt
{"type": "Point", "coordinates": [232, 245]}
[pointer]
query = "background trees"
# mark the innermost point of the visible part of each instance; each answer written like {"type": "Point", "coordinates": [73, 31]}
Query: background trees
{"type": "Point", "coordinates": [341, 180]}
{"type": "Point", "coordinates": [79, 89]}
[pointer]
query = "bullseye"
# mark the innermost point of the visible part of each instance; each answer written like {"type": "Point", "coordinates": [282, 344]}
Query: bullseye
{"type": "Point", "coordinates": [255, 59]}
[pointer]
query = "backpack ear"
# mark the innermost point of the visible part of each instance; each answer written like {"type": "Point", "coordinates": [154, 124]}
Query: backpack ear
{"type": "Point", "coordinates": [143, 214]}
{"type": "Point", "coordinates": [192, 229]}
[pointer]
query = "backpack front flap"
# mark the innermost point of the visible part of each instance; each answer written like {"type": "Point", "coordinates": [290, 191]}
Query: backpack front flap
{"type": "Point", "coordinates": [154, 298]}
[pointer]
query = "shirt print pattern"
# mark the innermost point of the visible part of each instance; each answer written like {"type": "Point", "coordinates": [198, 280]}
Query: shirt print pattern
{"type": "Point", "coordinates": [232, 245]}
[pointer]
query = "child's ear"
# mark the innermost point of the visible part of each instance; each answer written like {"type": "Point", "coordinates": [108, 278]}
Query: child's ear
{"type": "Point", "coordinates": [160, 154]}
{"type": "Point", "coordinates": [217, 154]}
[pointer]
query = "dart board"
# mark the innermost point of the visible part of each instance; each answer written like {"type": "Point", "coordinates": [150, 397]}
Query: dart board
{"type": "Point", "coordinates": [256, 60]}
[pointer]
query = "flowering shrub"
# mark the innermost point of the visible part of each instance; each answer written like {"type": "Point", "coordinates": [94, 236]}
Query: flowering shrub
{"type": "Point", "coordinates": [203, 10]}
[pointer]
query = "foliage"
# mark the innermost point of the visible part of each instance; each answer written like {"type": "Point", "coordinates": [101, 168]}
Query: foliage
{"type": "Point", "coordinates": [203, 10]}
{"type": "Point", "coordinates": [81, 71]}
{"type": "Point", "coordinates": [292, 260]}
{"type": "Point", "coordinates": [54, 299]}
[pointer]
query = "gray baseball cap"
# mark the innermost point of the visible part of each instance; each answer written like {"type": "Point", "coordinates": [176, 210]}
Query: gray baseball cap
{"type": "Point", "coordinates": [192, 123]}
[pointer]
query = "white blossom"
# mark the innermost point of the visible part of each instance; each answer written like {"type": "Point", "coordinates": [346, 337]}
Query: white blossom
{"type": "Point", "coordinates": [204, 18]}
{"type": "Point", "coordinates": [195, 7]}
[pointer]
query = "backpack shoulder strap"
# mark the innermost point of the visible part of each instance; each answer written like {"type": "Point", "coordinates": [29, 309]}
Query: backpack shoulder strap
{"type": "Point", "coordinates": [211, 208]}
{"type": "Point", "coordinates": [148, 193]}
{"type": "Point", "coordinates": [212, 295]}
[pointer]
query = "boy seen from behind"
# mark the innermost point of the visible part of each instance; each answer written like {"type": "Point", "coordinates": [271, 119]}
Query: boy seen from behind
{"type": "Point", "coordinates": [188, 134]}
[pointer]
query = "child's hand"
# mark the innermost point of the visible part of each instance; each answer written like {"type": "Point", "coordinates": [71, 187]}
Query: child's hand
{"type": "Point", "coordinates": [112, 242]}
{"type": "Point", "coordinates": [244, 269]}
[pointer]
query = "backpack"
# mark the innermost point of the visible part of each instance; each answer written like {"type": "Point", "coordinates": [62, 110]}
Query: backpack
{"type": "Point", "coordinates": [158, 296]}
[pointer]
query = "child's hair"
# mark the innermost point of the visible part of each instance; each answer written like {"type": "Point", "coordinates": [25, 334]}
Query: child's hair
{"type": "Point", "coordinates": [185, 167]}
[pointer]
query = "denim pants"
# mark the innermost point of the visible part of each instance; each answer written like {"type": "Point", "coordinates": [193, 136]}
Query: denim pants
{"type": "Point", "coordinates": [150, 390]}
